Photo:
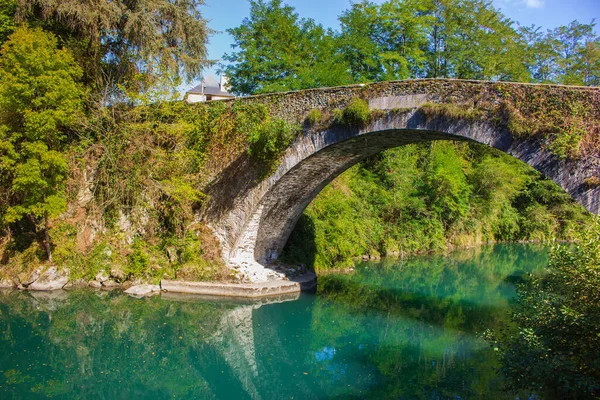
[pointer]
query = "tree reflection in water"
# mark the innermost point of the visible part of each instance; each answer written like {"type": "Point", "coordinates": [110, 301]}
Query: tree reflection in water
{"type": "Point", "coordinates": [394, 329]}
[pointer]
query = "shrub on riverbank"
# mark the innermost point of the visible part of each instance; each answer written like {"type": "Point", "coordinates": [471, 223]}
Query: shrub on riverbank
{"type": "Point", "coordinates": [553, 351]}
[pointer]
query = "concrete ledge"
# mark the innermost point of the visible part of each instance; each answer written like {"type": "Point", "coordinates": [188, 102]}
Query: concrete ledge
{"type": "Point", "coordinates": [253, 301]}
{"type": "Point", "coordinates": [243, 290]}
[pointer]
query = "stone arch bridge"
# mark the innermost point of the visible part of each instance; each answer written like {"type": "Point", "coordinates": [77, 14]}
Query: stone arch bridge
{"type": "Point", "coordinates": [253, 216]}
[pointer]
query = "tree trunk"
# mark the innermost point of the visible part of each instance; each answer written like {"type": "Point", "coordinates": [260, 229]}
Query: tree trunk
{"type": "Point", "coordinates": [47, 237]}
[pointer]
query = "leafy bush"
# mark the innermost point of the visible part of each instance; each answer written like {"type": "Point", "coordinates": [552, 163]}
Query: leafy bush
{"type": "Point", "coordinates": [554, 350]}
{"type": "Point", "coordinates": [138, 261]}
{"type": "Point", "coordinates": [268, 140]}
{"type": "Point", "coordinates": [592, 182]}
{"type": "Point", "coordinates": [357, 113]}
{"type": "Point", "coordinates": [566, 144]}
{"type": "Point", "coordinates": [314, 116]}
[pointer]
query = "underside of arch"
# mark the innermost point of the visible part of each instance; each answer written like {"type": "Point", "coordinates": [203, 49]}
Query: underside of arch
{"type": "Point", "coordinates": [260, 223]}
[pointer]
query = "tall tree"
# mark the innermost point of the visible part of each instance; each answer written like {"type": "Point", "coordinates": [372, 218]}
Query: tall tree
{"type": "Point", "coordinates": [359, 49]}
{"type": "Point", "coordinates": [577, 46]}
{"type": "Point", "coordinates": [470, 39]}
{"type": "Point", "coordinates": [541, 57]}
{"type": "Point", "coordinates": [569, 54]}
{"type": "Point", "coordinates": [402, 39]}
{"type": "Point", "coordinates": [7, 18]}
{"type": "Point", "coordinates": [40, 99]}
{"type": "Point", "coordinates": [385, 42]}
{"type": "Point", "coordinates": [278, 51]}
{"type": "Point", "coordinates": [127, 42]}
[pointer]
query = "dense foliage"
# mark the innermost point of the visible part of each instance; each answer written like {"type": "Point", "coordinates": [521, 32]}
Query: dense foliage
{"type": "Point", "coordinates": [135, 193]}
{"type": "Point", "coordinates": [280, 51]}
{"type": "Point", "coordinates": [41, 99]}
{"type": "Point", "coordinates": [91, 182]}
{"type": "Point", "coordinates": [126, 45]}
{"type": "Point", "coordinates": [428, 197]}
{"type": "Point", "coordinates": [276, 50]}
{"type": "Point", "coordinates": [553, 348]}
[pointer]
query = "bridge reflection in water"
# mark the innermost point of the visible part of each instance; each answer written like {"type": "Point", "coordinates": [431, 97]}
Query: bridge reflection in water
{"type": "Point", "coordinates": [391, 330]}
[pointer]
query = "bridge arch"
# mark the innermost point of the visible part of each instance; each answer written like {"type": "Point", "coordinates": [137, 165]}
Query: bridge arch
{"type": "Point", "coordinates": [254, 228]}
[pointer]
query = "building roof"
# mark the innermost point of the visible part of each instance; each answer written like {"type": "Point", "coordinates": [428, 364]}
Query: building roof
{"type": "Point", "coordinates": [211, 87]}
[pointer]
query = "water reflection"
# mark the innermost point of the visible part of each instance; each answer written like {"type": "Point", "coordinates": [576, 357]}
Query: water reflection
{"type": "Point", "coordinates": [391, 330]}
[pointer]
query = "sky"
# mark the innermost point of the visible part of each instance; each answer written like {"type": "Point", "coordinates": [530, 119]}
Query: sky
{"type": "Point", "coordinates": [225, 14]}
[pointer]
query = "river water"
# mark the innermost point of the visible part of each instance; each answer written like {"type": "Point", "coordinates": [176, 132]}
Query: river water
{"type": "Point", "coordinates": [391, 330]}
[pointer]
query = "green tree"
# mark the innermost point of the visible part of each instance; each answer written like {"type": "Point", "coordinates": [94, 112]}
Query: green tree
{"type": "Point", "coordinates": [470, 39]}
{"type": "Point", "coordinates": [569, 54]}
{"type": "Point", "coordinates": [541, 56]}
{"type": "Point", "coordinates": [445, 182]}
{"type": "Point", "coordinates": [278, 51]}
{"type": "Point", "coordinates": [7, 18]}
{"type": "Point", "coordinates": [126, 42]}
{"type": "Point", "coordinates": [41, 99]}
{"type": "Point", "coordinates": [402, 39]}
{"type": "Point", "coordinates": [384, 42]}
{"type": "Point", "coordinates": [578, 48]}
{"type": "Point", "coordinates": [358, 48]}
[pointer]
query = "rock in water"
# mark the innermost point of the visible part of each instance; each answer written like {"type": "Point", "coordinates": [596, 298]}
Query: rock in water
{"type": "Point", "coordinates": [110, 284]}
{"type": "Point", "coordinates": [143, 290]}
{"type": "Point", "coordinates": [102, 276]}
{"type": "Point", "coordinates": [6, 284]}
{"type": "Point", "coordinates": [34, 277]}
{"type": "Point", "coordinates": [117, 274]}
{"type": "Point", "coordinates": [51, 279]}
{"type": "Point", "coordinates": [95, 284]}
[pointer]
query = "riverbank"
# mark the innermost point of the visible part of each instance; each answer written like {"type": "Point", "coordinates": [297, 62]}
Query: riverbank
{"type": "Point", "coordinates": [336, 344]}
{"type": "Point", "coordinates": [53, 279]}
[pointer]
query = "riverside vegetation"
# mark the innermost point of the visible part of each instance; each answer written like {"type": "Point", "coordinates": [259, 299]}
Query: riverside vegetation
{"type": "Point", "coordinates": [393, 329]}
{"type": "Point", "coordinates": [102, 170]}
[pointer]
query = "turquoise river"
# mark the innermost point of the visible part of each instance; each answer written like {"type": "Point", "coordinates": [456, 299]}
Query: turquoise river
{"type": "Point", "coordinates": [395, 329]}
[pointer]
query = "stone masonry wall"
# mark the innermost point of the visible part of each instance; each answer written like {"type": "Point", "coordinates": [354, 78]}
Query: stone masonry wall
{"type": "Point", "coordinates": [253, 216]}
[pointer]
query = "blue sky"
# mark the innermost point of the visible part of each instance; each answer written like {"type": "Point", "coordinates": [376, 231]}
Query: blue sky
{"type": "Point", "coordinates": [224, 14]}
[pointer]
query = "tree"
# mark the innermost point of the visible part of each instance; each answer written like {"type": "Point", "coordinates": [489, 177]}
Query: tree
{"type": "Point", "coordinates": [385, 42]}
{"type": "Point", "coordinates": [403, 39]}
{"type": "Point", "coordinates": [278, 51]}
{"type": "Point", "coordinates": [126, 42]}
{"type": "Point", "coordinates": [541, 56]}
{"type": "Point", "coordinates": [569, 54]}
{"type": "Point", "coordinates": [358, 48]}
{"type": "Point", "coordinates": [579, 60]}
{"type": "Point", "coordinates": [470, 39]}
{"type": "Point", "coordinates": [554, 351]}
{"type": "Point", "coordinates": [7, 18]}
{"type": "Point", "coordinates": [40, 99]}
{"type": "Point", "coordinates": [445, 183]}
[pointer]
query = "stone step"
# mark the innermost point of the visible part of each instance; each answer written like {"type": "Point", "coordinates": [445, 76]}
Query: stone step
{"type": "Point", "coordinates": [250, 290]}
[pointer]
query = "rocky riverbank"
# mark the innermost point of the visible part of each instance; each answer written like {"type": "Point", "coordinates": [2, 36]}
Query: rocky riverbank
{"type": "Point", "coordinates": [53, 279]}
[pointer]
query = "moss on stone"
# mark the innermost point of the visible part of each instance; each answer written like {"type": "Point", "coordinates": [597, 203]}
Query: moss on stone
{"type": "Point", "coordinates": [452, 111]}
{"type": "Point", "coordinates": [592, 182]}
{"type": "Point", "coordinates": [356, 113]}
{"type": "Point", "coordinates": [314, 116]}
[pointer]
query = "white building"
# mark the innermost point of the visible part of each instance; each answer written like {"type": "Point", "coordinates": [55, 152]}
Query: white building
{"type": "Point", "coordinates": [209, 90]}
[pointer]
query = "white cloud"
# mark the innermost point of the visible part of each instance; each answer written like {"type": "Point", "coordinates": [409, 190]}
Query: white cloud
{"type": "Point", "coordinates": [534, 3]}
